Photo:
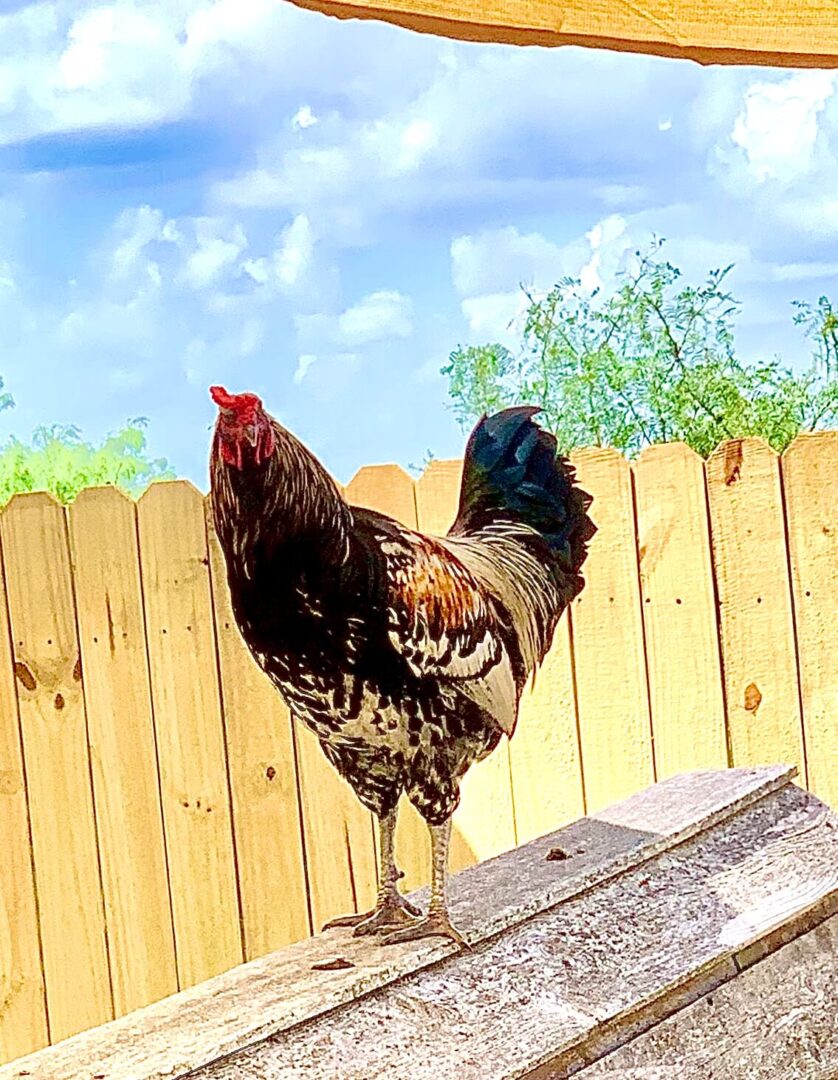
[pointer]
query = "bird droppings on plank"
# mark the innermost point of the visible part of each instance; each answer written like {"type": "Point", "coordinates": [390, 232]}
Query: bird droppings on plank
{"type": "Point", "coordinates": [557, 854]}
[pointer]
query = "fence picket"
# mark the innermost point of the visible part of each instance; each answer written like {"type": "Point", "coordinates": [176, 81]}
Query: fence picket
{"type": "Point", "coordinates": [810, 481]}
{"type": "Point", "coordinates": [755, 608]}
{"type": "Point", "coordinates": [544, 758]}
{"type": "Point", "coordinates": [103, 540]}
{"type": "Point", "coordinates": [679, 611]}
{"type": "Point", "coordinates": [190, 739]}
{"type": "Point", "coordinates": [608, 646]}
{"type": "Point", "coordinates": [23, 1019]}
{"type": "Point", "coordinates": [263, 782]}
{"type": "Point", "coordinates": [49, 690]}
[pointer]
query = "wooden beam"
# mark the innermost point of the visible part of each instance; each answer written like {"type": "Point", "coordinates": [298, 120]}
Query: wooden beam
{"type": "Point", "coordinates": [791, 996]}
{"type": "Point", "coordinates": [562, 989]}
{"type": "Point", "coordinates": [273, 994]}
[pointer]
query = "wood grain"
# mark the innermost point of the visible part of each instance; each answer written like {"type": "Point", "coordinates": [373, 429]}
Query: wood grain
{"type": "Point", "coordinates": [560, 988]}
{"type": "Point", "coordinates": [608, 648]}
{"type": "Point", "coordinates": [190, 736]}
{"type": "Point", "coordinates": [120, 724]}
{"type": "Point", "coordinates": [49, 689]}
{"type": "Point", "coordinates": [679, 611]}
{"type": "Point", "coordinates": [755, 608]}
{"type": "Point", "coordinates": [270, 860]}
{"type": "Point", "coordinates": [810, 480]}
{"type": "Point", "coordinates": [775, 1020]}
{"type": "Point", "coordinates": [544, 757]}
{"type": "Point", "coordinates": [23, 1019]}
{"type": "Point", "coordinates": [707, 31]}
{"type": "Point", "coordinates": [389, 490]}
{"type": "Point", "coordinates": [484, 822]}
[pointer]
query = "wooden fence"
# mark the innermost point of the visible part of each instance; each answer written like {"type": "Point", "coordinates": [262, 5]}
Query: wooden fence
{"type": "Point", "coordinates": [161, 818]}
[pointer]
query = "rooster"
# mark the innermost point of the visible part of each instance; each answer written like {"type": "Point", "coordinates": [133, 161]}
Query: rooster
{"type": "Point", "coordinates": [405, 654]}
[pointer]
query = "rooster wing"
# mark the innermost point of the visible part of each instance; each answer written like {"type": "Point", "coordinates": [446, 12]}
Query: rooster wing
{"type": "Point", "coordinates": [447, 626]}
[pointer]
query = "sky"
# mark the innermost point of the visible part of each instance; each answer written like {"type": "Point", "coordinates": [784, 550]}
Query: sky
{"type": "Point", "coordinates": [243, 192]}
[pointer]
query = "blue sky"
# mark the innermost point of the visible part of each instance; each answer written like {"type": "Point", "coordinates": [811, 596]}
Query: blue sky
{"type": "Point", "coordinates": [240, 191]}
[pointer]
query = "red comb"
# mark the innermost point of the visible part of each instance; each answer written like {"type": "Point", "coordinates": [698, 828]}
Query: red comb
{"type": "Point", "coordinates": [222, 398]}
{"type": "Point", "coordinates": [243, 405]}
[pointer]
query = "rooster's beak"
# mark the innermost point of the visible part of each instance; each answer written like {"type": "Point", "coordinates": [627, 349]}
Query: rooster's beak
{"type": "Point", "coordinates": [250, 434]}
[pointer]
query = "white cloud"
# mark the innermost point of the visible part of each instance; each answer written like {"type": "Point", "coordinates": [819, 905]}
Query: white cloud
{"type": "Point", "coordinates": [609, 245]}
{"type": "Point", "coordinates": [295, 253]}
{"type": "Point", "coordinates": [777, 127]}
{"type": "Point", "coordinates": [139, 227]}
{"type": "Point", "coordinates": [217, 248]}
{"type": "Point", "coordinates": [378, 316]}
{"type": "Point", "coordinates": [496, 260]}
{"type": "Point", "coordinates": [303, 118]}
{"type": "Point", "coordinates": [305, 361]}
{"type": "Point", "coordinates": [805, 271]}
{"type": "Point", "coordinates": [496, 316]}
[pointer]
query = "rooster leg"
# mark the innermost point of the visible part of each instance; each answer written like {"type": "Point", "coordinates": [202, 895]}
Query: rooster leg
{"type": "Point", "coordinates": [437, 922]}
{"type": "Point", "coordinates": [391, 909]}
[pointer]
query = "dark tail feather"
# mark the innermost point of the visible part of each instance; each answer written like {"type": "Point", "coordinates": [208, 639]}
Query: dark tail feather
{"type": "Point", "coordinates": [513, 473]}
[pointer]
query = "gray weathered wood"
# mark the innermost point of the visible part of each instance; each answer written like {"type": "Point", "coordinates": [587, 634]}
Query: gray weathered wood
{"type": "Point", "coordinates": [550, 988]}
{"type": "Point", "coordinates": [271, 995]}
{"type": "Point", "coordinates": [778, 1019]}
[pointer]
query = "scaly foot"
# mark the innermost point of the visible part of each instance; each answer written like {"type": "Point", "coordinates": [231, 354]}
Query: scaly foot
{"type": "Point", "coordinates": [435, 924]}
{"type": "Point", "coordinates": [393, 913]}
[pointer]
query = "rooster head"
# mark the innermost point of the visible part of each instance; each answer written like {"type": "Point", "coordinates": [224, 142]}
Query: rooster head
{"type": "Point", "coordinates": [244, 430]}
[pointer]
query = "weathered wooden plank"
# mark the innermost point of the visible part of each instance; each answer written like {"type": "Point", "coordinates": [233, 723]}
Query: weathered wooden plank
{"type": "Point", "coordinates": [810, 480]}
{"type": "Point", "coordinates": [190, 739]}
{"type": "Point", "coordinates": [47, 665]}
{"type": "Point", "coordinates": [679, 610]}
{"type": "Point", "coordinates": [389, 490]}
{"type": "Point", "coordinates": [775, 1020]}
{"type": "Point", "coordinates": [23, 1019]}
{"type": "Point", "coordinates": [273, 993]}
{"type": "Point", "coordinates": [484, 822]}
{"type": "Point", "coordinates": [544, 757]}
{"type": "Point", "coordinates": [270, 860]}
{"type": "Point", "coordinates": [755, 609]}
{"type": "Point", "coordinates": [120, 725]}
{"type": "Point", "coordinates": [608, 648]}
{"type": "Point", "coordinates": [613, 957]}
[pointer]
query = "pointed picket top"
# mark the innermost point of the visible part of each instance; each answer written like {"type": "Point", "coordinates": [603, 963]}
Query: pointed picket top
{"type": "Point", "coordinates": [596, 455]}
{"type": "Point", "coordinates": [667, 451]}
{"type": "Point", "coordinates": [437, 495]}
{"type": "Point", "coordinates": [102, 493]}
{"type": "Point", "coordinates": [811, 444]}
{"type": "Point", "coordinates": [163, 489]}
{"type": "Point", "coordinates": [726, 460]}
{"type": "Point", "coordinates": [31, 500]}
{"type": "Point", "coordinates": [386, 488]}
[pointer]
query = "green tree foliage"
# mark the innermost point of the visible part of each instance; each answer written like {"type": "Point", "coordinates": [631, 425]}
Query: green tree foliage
{"type": "Point", "coordinates": [652, 362]}
{"type": "Point", "coordinates": [57, 459]}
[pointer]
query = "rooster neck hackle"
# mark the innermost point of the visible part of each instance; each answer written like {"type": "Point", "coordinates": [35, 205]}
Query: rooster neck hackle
{"type": "Point", "coordinates": [289, 500]}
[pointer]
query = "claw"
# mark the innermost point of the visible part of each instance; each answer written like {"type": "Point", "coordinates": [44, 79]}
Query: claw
{"type": "Point", "coordinates": [435, 924]}
{"type": "Point", "coordinates": [393, 913]}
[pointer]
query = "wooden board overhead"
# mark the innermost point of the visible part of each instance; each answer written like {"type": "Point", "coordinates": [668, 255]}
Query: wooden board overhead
{"type": "Point", "coordinates": [782, 33]}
